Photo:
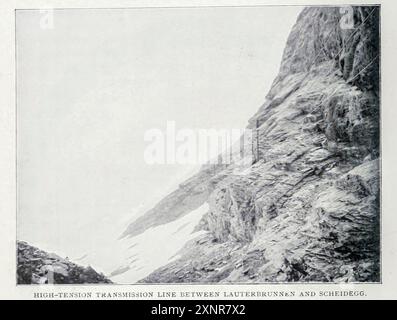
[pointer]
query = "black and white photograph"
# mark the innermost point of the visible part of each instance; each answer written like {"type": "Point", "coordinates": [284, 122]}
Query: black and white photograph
{"type": "Point", "coordinates": [198, 145]}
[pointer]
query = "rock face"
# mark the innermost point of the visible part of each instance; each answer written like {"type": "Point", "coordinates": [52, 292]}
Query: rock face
{"type": "Point", "coordinates": [308, 207]}
{"type": "Point", "coordinates": [39, 267]}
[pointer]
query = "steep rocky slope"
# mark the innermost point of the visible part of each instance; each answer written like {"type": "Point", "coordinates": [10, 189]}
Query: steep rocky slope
{"type": "Point", "coordinates": [308, 207]}
{"type": "Point", "coordinates": [36, 266]}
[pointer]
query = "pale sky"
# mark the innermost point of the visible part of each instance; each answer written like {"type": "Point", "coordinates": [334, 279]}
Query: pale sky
{"type": "Point", "coordinates": [88, 88]}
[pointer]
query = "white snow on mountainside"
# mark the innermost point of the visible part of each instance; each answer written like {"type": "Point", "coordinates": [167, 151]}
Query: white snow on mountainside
{"type": "Point", "coordinates": [156, 247]}
{"type": "Point", "coordinates": [135, 258]}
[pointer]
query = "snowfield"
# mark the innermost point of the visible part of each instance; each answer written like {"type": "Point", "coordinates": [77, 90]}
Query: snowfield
{"type": "Point", "coordinates": [156, 247]}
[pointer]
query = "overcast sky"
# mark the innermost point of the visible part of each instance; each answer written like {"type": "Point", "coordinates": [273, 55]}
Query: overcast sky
{"type": "Point", "coordinates": [89, 87]}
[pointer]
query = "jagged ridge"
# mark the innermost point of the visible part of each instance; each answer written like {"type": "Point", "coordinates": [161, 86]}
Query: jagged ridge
{"type": "Point", "coordinates": [36, 266]}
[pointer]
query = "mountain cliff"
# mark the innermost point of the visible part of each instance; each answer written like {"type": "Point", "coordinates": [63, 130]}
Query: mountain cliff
{"type": "Point", "coordinates": [308, 207]}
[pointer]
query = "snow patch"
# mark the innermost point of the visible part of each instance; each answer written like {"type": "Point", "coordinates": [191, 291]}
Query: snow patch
{"type": "Point", "coordinates": [157, 246]}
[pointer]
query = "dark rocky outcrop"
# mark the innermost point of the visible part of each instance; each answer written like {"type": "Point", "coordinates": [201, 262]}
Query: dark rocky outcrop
{"type": "Point", "coordinates": [35, 266]}
{"type": "Point", "coordinates": [308, 207]}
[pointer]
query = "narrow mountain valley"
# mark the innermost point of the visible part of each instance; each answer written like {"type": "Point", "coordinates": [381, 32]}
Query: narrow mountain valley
{"type": "Point", "coordinates": [305, 209]}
